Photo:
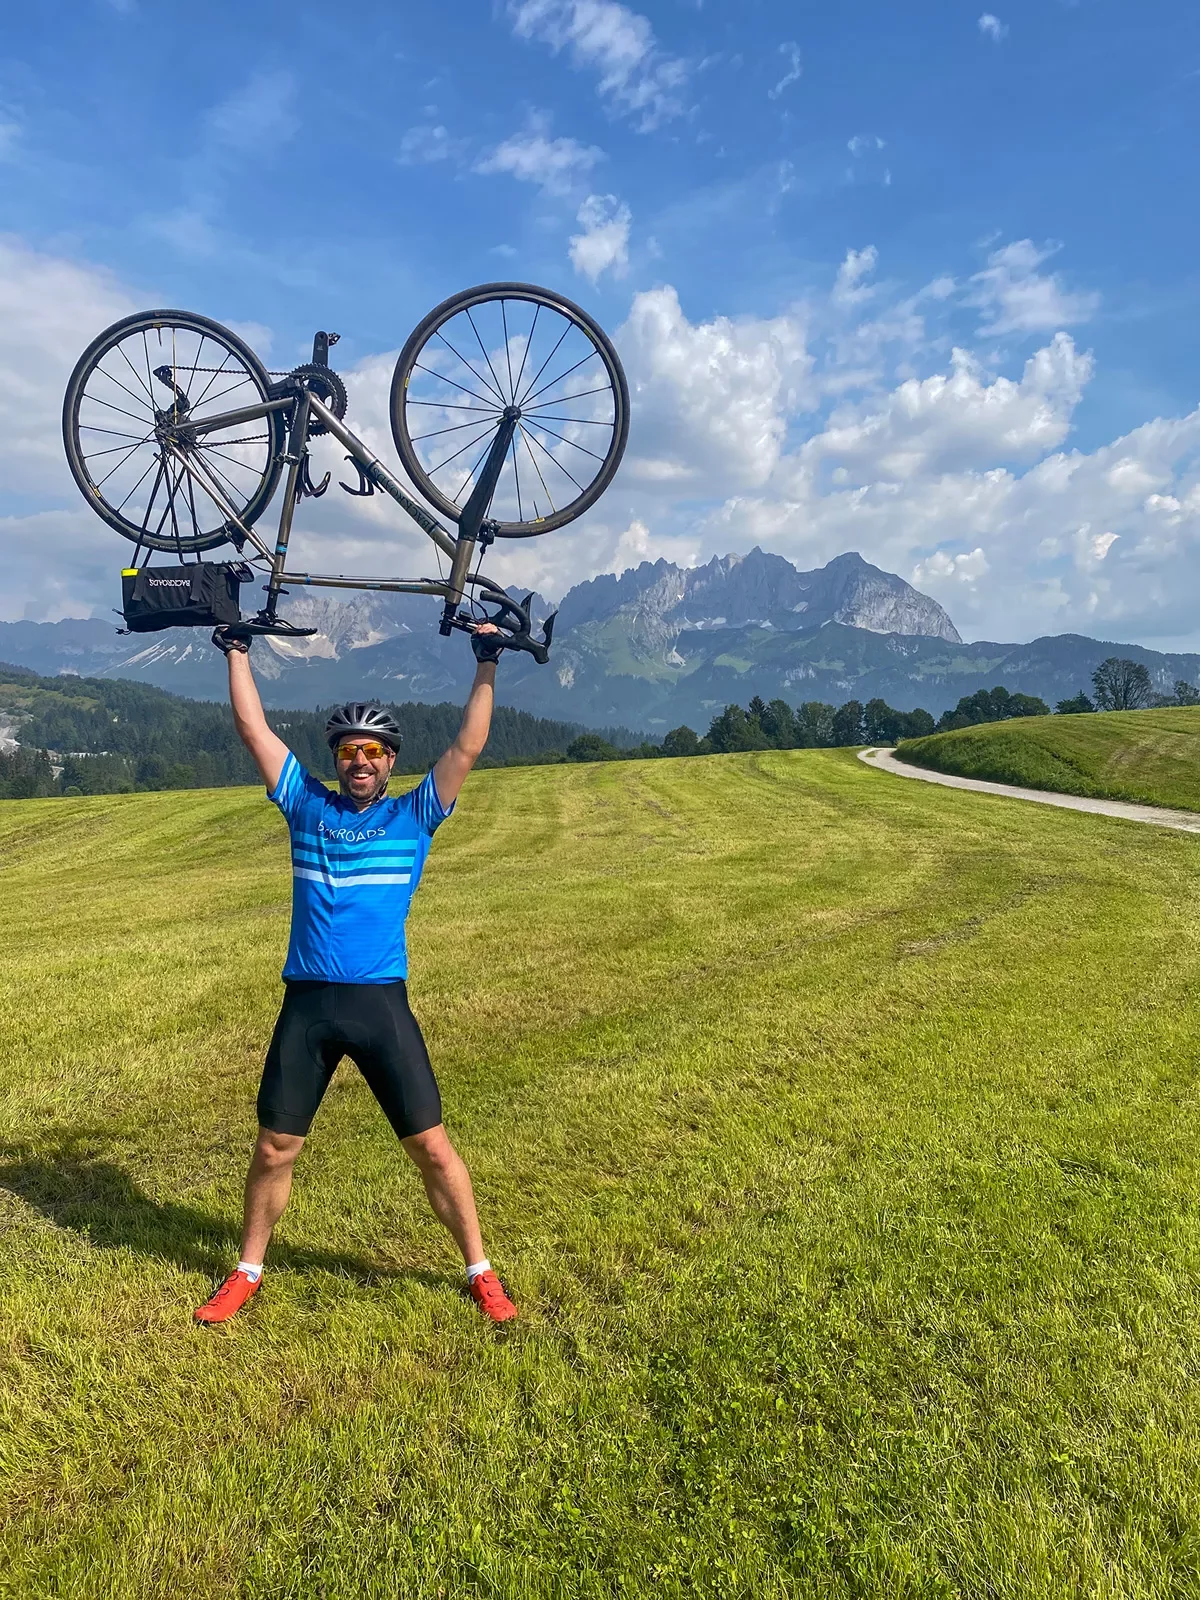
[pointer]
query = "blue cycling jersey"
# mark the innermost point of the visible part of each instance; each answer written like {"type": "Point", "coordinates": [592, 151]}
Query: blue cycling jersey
{"type": "Point", "coordinates": [354, 874]}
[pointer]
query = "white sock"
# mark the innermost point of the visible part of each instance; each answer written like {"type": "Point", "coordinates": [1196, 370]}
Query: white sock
{"type": "Point", "coordinates": [476, 1267]}
{"type": "Point", "coordinates": [252, 1269]}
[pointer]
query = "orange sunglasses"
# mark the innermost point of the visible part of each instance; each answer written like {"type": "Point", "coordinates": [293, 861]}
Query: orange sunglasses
{"type": "Point", "coordinates": [372, 751]}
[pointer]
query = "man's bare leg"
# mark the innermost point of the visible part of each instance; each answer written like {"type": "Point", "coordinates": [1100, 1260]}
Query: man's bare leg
{"type": "Point", "coordinates": [448, 1185]}
{"type": "Point", "coordinates": [268, 1185]}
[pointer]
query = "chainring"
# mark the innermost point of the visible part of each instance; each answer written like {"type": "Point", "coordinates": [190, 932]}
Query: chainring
{"type": "Point", "coordinates": [325, 384]}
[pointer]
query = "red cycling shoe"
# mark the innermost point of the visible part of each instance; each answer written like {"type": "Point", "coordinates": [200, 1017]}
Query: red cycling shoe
{"type": "Point", "coordinates": [488, 1294]}
{"type": "Point", "coordinates": [229, 1298]}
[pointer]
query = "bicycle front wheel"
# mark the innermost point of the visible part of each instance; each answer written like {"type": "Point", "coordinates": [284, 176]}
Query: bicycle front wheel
{"type": "Point", "coordinates": [511, 349]}
{"type": "Point", "coordinates": [130, 402]}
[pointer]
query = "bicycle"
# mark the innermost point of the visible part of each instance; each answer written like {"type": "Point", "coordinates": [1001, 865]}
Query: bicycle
{"type": "Point", "coordinates": [213, 432]}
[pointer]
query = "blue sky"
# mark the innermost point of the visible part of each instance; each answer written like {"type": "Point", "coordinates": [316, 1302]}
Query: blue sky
{"type": "Point", "coordinates": [916, 281]}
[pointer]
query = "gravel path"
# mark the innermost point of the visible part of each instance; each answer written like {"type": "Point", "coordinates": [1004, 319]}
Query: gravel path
{"type": "Point", "coordinates": [1186, 821]}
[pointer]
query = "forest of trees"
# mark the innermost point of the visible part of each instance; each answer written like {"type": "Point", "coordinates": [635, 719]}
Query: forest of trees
{"type": "Point", "coordinates": [773, 725]}
{"type": "Point", "coordinates": [814, 725]}
{"type": "Point", "coordinates": [104, 736]}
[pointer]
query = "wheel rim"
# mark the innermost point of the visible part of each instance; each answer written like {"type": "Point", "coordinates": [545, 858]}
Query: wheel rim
{"type": "Point", "coordinates": [128, 408]}
{"type": "Point", "coordinates": [511, 347]}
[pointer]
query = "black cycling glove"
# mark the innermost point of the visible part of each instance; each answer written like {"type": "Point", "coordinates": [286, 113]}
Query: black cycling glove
{"type": "Point", "coordinates": [487, 646]}
{"type": "Point", "coordinates": [225, 640]}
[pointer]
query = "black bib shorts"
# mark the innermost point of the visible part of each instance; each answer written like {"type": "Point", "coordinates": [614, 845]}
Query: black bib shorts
{"type": "Point", "coordinates": [369, 1022]}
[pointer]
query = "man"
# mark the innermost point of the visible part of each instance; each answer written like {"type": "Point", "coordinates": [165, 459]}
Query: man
{"type": "Point", "coordinates": [356, 860]}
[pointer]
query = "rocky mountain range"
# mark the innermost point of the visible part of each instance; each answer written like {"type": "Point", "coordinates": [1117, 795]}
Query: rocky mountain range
{"type": "Point", "coordinates": [658, 646]}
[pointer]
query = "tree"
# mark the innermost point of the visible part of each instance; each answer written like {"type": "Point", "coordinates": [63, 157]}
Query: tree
{"type": "Point", "coordinates": [814, 725]}
{"type": "Point", "coordinates": [1186, 694]}
{"type": "Point", "coordinates": [734, 730]}
{"type": "Point", "coordinates": [25, 774]}
{"type": "Point", "coordinates": [848, 723]}
{"type": "Point", "coordinates": [680, 742]}
{"type": "Point", "coordinates": [882, 724]}
{"type": "Point", "coordinates": [778, 722]}
{"type": "Point", "coordinates": [591, 747]}
{"type": "Point", "coordinates": [915, 724]}
{"type": "Point", "coordinates": [1122, 685]}
{"type": "Point", "coordinates": [991, 705]}
{"type": "Point", "coordinates": [1074, 706]}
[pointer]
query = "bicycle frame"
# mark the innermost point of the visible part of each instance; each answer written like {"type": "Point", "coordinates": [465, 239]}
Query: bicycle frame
{"type": "Point", "coordinates": [304, 408]}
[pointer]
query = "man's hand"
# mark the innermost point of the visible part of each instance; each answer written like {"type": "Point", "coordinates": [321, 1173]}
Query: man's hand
{"type": "Point", "coordinates": [487, 642]}
{"type": "Point", "coordinates": [226, 640]}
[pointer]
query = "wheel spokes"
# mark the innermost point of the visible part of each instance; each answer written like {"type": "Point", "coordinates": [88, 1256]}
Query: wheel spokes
{"type": "Point", "coordinates": [567, 427]}
{"type": "Point", "coordinates": [143, 480]}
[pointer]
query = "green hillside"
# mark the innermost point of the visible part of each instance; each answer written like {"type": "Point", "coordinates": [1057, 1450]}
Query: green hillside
{"type": "Point", "coordinates": [1152, 757]}
{"type": "Point", "coordinates": [839, 1139]}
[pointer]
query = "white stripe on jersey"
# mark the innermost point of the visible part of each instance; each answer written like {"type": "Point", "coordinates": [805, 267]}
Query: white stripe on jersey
{"type": "Point", "coordinates": [343, 883]}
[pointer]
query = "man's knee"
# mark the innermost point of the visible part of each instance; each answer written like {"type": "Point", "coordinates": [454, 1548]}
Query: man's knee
{"type": "Point", "coordinates": [431, 1150]}
{"type": "Point", "coordinates": [275, 1151]}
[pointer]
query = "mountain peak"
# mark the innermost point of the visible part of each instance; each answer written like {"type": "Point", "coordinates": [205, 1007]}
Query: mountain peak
{"type": "Point", "coordinates": [660, 600]}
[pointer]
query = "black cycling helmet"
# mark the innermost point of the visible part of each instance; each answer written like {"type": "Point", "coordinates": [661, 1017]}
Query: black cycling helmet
{"type": "Point", "coordinates": [362, 718]}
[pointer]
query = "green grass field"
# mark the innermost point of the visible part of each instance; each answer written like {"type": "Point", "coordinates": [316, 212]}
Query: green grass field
{"type": "Point", "coordinates": [837, 1135]}
{"type": "Point", "coordinates": [1151, 757]}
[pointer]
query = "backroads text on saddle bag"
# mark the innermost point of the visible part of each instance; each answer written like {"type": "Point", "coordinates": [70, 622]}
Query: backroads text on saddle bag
{"type": "Point", "coordinates": [202, 595]}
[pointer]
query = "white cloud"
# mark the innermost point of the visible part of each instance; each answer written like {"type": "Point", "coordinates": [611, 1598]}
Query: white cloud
{"type": "Point", "coordinates": [849, 288]}
{"type": "Point", "coordinates": [262, 112]}
{"type": "Point", "coordinates": [792, 51]}
{"type": "Point", "coordinates": [864, 141]}
{"type": "Point", "coordinates": [603, 246]}
{"type": "Point", "coordinates": [555, 165]}
{"type": "Point", "coordinates": [617, 43]}
{"type": "Point", "coordinates": [50, 310]}
{"type": "Point", "coordinates": [1016, 298]}
{"type": "Point", "coordinates": [965, 567]}
{"type": "Point", "coordinates": [711, 399]}
{"type": "Point", "coordinates": [428, 142]}
{"type": "Point", "coordinates": [992, 28]}
{"type": "Point", "coordinates": [950, 420]}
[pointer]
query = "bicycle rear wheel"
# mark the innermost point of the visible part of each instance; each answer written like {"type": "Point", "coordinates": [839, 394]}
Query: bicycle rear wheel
{"type": "Point", "coordinates": [132, 394]}
{"type": "Point", "coordinates": [511, 349]}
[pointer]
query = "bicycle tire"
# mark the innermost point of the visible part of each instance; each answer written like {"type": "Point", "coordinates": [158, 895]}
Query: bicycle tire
{"type": "Point", "coordinates": [252, 503]}
{"type": "Point", "coordinates": [465, 302]}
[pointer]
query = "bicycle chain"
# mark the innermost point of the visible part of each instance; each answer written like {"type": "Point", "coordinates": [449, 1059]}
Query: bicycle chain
{"type": "Point", "coordinates": [270, 372]}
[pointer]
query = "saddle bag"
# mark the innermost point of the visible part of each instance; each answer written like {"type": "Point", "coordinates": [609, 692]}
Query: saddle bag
{"type": "Point", "coordinates": [203, 594]}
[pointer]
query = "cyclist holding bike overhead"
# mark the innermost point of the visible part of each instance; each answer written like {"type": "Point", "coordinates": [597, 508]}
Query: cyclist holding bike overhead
{"type": "Point", "coordinates": [356, 860]}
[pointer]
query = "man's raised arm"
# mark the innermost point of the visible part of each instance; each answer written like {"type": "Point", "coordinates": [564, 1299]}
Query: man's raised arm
{"type": "Point", "coordinates": [267, 748]}
{"type": "Point", "coordinates": [450, 773]}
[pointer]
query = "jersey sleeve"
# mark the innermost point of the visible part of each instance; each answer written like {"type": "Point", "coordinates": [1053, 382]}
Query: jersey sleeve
{"type": "Point", "coordinates": [295, 786]}
{"type": "Point", "coordinates": [427, 807]}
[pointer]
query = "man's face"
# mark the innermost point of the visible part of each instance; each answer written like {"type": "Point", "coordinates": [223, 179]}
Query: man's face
{"type": "Point", "coordinates": [364, 766]}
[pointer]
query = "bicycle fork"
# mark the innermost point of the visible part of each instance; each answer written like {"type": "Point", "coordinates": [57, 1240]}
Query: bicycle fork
{"type": "Point", "coordinates": [471, 521]}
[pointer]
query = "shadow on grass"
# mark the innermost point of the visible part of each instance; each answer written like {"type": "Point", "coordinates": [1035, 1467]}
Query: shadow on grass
{"type": "Point", "coordinates": [71, 1181]}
